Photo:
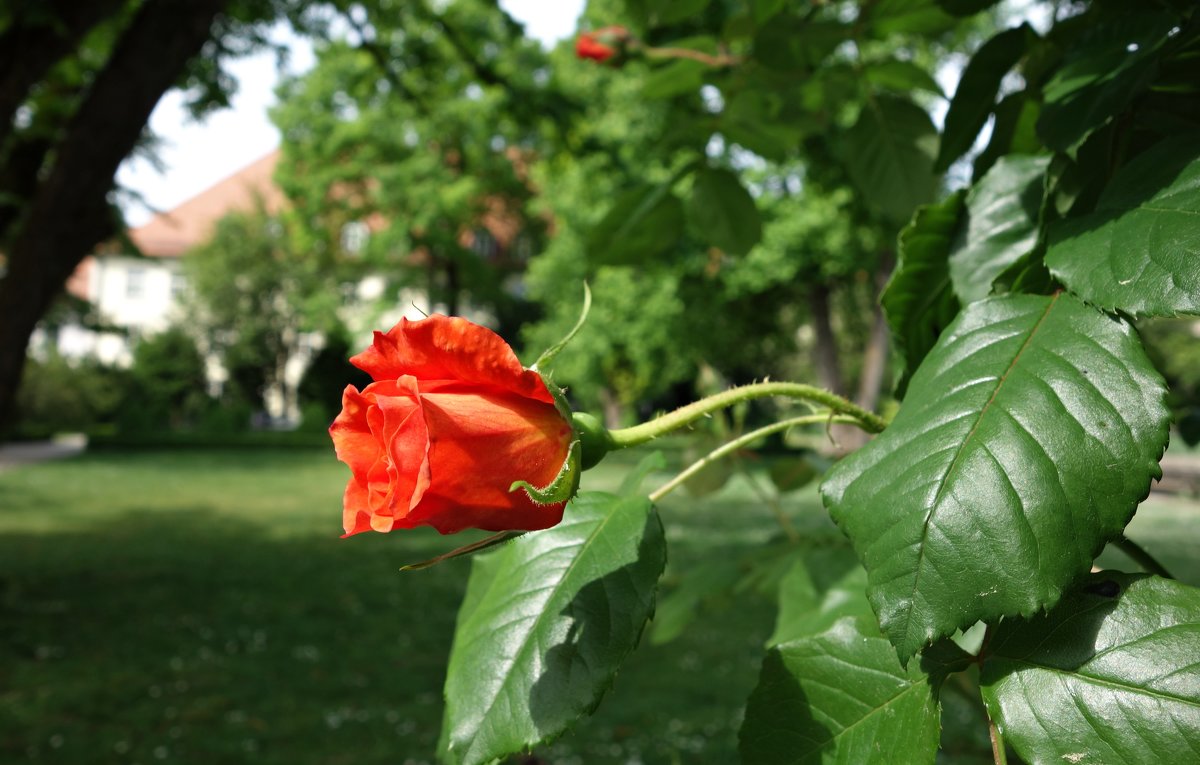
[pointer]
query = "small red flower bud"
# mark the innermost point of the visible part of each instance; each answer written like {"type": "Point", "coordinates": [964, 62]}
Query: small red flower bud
{"type": "Point", "coordinates": [451, 421]}
{"type": "Point", "coordinates": [602, 44]}
{"type": "Point", "coordinates": [587, 47]}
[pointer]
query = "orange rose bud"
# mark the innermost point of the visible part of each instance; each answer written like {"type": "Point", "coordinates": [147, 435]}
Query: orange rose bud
{"type": "Point", "coordinates": [451, 421]}
{"type": "Point", "coordinates": [599, 45]}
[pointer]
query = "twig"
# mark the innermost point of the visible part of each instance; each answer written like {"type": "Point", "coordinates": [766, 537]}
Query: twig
{"type": "Point", "coordinates": [738, 443]}
{"type": "Point", "coordinates": [1141, 557]}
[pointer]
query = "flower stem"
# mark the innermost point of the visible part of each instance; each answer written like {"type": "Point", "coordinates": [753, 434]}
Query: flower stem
{"type": "Point", "coordinates": [721, 60]}
{"type": "Point", "coordinates": [739, 442]}
{"type": "Point", "coordinates": [648, 431]}
{"type": "Point", "coordinates": [1141, 557]}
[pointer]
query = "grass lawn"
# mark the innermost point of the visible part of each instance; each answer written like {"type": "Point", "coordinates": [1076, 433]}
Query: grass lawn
{"type": "Point", "coordinates": [197, 606]}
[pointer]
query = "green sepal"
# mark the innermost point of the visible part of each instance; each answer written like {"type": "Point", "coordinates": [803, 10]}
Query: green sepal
{"type": "Point", "coordinates": [594, 437]}
{"type": "Point", "coordinates": [549, 354]}
{"type": "Point", "coordinates": [564, 485]}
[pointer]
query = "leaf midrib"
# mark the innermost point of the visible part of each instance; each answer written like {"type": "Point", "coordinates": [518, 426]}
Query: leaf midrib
{"type": "Point", "coordinates": [506, 674]}
{"type": "Point", "coordinates": [954, 462]}
{"type": "Point", "coordinates": [1105, 682]}
{"type": "Point", "coordinates": [835, 736]}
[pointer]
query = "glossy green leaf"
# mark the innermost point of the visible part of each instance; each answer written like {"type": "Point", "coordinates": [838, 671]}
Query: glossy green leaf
{"type": "Point", "coordinates": [1028, 437]}
{"type": "Point", "coordinates": [976, 93]}
{"type": "Point", "coordinates": [1139, 251]}
{"type": "Point", "coordinates": [918, 299]}
{"type": "Point", "coordinates": [1118, 683]}
{"type": "Point", "coordinates": [1102, 74]}
{"type": "Point", "coordinates": [1000, 226]}
{"type": "Point", "coordinates": [723, 212]}
{"type": "Point", "coordinates": [901, 76]}
{"type": "Point", "coordinates": [839, 695]}
{"type": "Point", "coordinates": [889, 153]}
{"type": "Point", "coordinates": [545, 624]}
{"type": "Point", "coordinates": [642, 223]}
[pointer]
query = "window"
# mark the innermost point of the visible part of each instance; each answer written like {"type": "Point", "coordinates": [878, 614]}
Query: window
{"type": "Point", "coordinates": [484, 244]}
{"type": "Point", "coordinates": [354, 237]}
{"type": "Point", "coordinates": [135, 283]}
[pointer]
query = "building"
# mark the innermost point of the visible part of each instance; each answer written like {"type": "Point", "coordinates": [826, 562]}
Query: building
{"type": "Point", "coordinates": [139, 295]}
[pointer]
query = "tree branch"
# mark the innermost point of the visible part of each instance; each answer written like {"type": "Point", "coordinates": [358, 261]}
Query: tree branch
{"type": "Point", "coordinates": [69, 213]}
{"type": "Point", "coordinates": [29, 50]}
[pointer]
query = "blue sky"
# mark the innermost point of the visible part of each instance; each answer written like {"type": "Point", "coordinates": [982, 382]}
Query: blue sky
{"type": "Point", "coordinates": [195, 155]}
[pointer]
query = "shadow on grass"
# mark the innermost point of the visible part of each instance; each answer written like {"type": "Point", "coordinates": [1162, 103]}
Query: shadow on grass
{"type": "Point", "coordinates": [186, 637]}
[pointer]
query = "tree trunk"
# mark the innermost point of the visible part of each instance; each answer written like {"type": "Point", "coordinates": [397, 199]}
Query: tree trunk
{"type": "Point", "coordinates": [68, 214]}
{"type": "Point", "coordinates": [875, 356]}
{"type": "Point", "coordinates": [829, 372]}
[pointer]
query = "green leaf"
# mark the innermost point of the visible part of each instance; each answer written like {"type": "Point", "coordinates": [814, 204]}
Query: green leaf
{"type": "Point", "coordinates": [918, 300]}
{"type": "Point", "coordinates": [965, 7]}
{"type": "Point", "coordinates": [838, 696]}
{"type": "Point", "coordinates": [889, 153]}
{"type": "Point", "coordinates": [1014, 131]}
{"type": "Point", "coordinates": [802, 614]}
{"type": "Point", "coordinates": [1001, 224]}
{"type": "Point", "coordinates": [680, 77]}
{"type": "Point", "coordinates": [765, 9]}
{"type": "Point", "coordinates": [1139, 252]}
{"type": "Point", "coordinates": [901, 76]}
{"type": "Point", "coordinates": [545, 624]}
{"type": "Point", "coordinates": [631, 484]}
{"type": "Point", "coordinates": [642, 223]}
{"type": "Point", "coordinates": [723, 211]}
{"type": "Point", "coordinates": [1118, 683]}
{"type": "Point", "coordinates": [1102, 74]}
{"type": "Point", "coordinates": [1029, 434]}
{"type": "Point", "coordinates": [792, 473]}
{"type": "Point", "coordinates": [922, 17]}
{"type": "Point", "coordinates": [976, 93]}
{"type": "Point", "coordinates": [680, 606]}
{"type": "Point", "coordinates": [749, 120]}
{"type": "Point", "coordinates": [791, 44]}
{"type": "Point", "coordinates": [666, 12]}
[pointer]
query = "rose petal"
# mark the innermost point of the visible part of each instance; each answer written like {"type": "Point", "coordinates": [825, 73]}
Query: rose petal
{"type": "Point", "coordinates": [443, 348]}
{"type": "Point", "coordinates": [479, 443]}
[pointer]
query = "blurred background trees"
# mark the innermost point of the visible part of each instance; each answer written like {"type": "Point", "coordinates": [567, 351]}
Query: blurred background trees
{"type": "Point", "coordinates": [730, 183]}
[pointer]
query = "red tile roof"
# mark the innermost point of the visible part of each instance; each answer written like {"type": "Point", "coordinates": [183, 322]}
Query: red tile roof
{"type": "Point", "coordinates": [171, 234]}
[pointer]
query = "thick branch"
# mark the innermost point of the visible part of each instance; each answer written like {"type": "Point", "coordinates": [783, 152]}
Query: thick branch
{"type": "Point", "coordinates": [29, 50]}
{"type": "Point", "coordinates": [68, 214]}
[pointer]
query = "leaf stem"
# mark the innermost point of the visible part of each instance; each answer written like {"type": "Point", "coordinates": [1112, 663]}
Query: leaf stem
{"type": "Point", "coordinates": [1141, 557]}
{"type": "Point", "coordinates": [999, 753]}
{"type": "Point", "coordinates": [738, 443]}
{"type": "Point", "coordinates": [648, 431]}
